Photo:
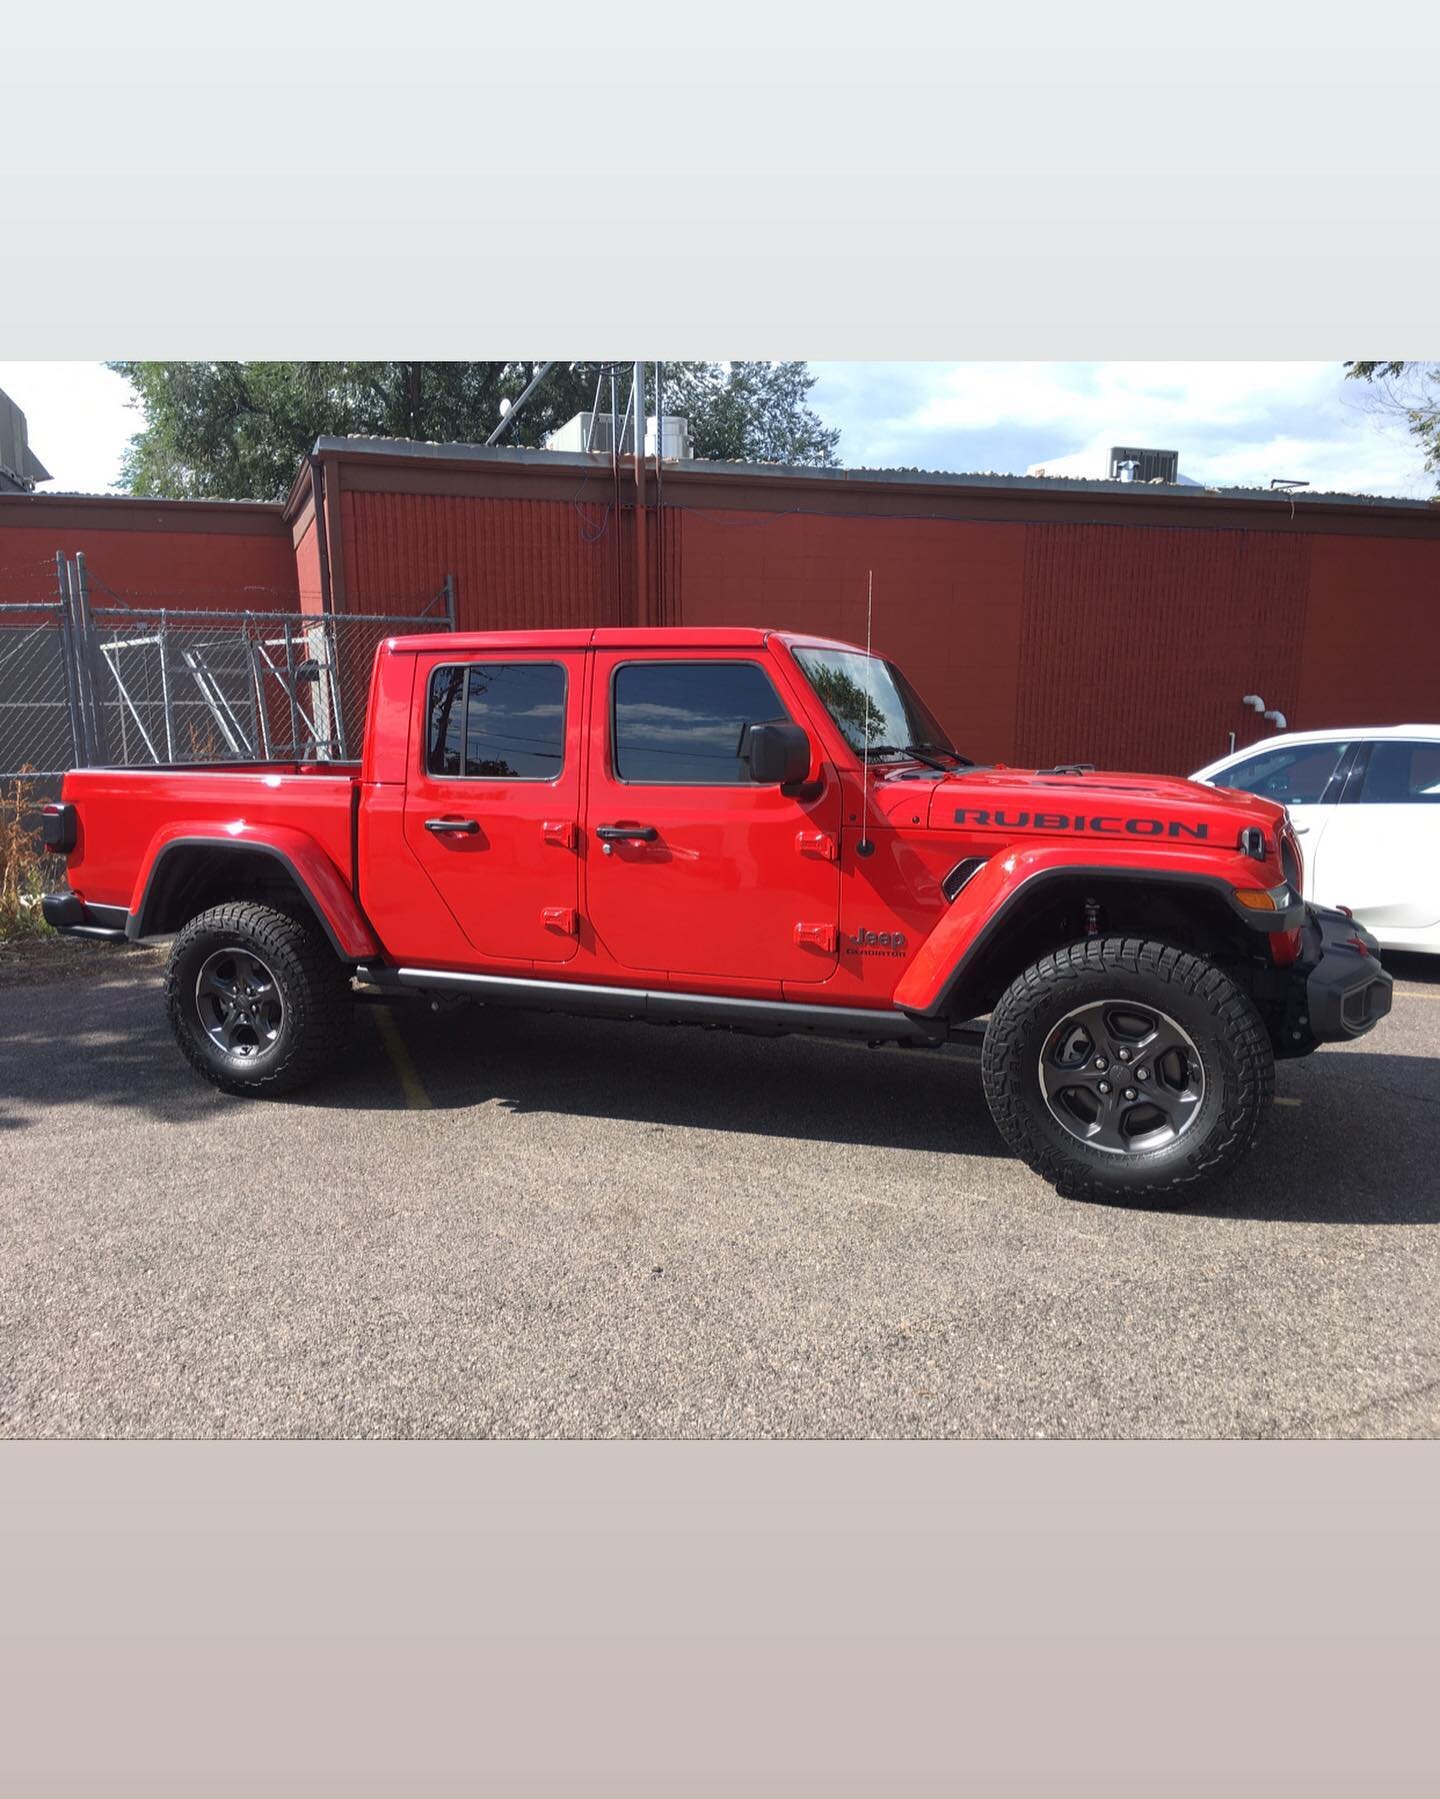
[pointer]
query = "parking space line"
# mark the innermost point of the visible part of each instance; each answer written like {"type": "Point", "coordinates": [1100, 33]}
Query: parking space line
{"type": "Point", "coordinates": [1282, 1100]}
{"type": "Point", "coordinates": [416, 1098]}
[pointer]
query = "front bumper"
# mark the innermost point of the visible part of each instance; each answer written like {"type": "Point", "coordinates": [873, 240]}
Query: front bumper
{"type": "Point", "coordinates": [1346, 991]}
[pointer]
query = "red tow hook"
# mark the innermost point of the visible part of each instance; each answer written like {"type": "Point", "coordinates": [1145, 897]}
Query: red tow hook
{"type": "Point", "coordinates": [1354, 942]}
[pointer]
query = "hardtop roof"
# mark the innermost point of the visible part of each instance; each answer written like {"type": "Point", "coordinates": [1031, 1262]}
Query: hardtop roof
{"type": "Point", "coordinates": [602, 637]}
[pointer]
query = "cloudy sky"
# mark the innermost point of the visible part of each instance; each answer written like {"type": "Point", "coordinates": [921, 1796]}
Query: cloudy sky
{"type": "Point", "coordinates": [1234, 423]}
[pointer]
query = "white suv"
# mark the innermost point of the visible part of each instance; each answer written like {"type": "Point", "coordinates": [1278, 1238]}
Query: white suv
{"type": "Point", "coordinates": [1367, 806]}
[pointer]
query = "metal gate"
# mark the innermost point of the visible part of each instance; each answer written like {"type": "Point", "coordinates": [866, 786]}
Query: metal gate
{"type": "Point", "coordinates": [133, 685]}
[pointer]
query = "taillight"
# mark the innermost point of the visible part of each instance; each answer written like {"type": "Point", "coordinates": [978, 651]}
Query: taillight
{"type": "Point", "coordinates": [58, 827]}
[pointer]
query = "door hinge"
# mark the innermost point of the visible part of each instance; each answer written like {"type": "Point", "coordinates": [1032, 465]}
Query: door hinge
{"type": "Point", "coordinates": [564, 919]}
{"type": "Point", "coordinates": [816, 843]}
{"type": "Point", "coordinates": [564, 833]}
{"type": "Point", "coordinates": [821, 936]}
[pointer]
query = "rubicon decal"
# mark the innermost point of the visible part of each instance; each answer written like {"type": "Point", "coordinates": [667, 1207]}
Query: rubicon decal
{"type": "Point", "coordinates": [1101, 824]}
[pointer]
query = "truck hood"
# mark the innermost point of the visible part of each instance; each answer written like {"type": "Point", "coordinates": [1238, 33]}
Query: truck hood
{"type": "Point", "coordinates": [1103, 804]}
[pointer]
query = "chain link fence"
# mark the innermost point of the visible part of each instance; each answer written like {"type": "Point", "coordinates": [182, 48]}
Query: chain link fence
{"type": "Point", "coordinates": [136, 686]}
{"type": "Point", "coordinates": [37, 724]}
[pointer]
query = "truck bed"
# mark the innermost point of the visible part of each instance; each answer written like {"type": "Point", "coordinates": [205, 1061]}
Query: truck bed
{"type": "Point", "coordinates": [126, 814]}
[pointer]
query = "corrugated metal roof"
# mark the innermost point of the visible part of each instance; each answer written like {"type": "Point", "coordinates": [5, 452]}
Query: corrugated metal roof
{"type": "Point", "coordinates": [42, 500]}
{"type": "Point", "coordinates": [411, 450]}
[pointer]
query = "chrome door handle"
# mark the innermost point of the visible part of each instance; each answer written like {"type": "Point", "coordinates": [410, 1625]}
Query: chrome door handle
{"type": "Point", "coordinates": [463, 827]}
{"type": "Point", "coordinates": [614, 833]}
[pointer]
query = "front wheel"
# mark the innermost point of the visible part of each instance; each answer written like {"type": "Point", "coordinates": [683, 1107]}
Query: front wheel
{"type": "Point", "coordinates": [257, 1000]}
{"type": "Point", "coordinates": [1124, 1069]}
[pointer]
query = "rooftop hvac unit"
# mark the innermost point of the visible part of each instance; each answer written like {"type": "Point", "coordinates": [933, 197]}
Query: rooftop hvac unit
{"type": "Point", "coordinates": [674, 437]}
{"type": "Point", "coordinates": [1145, 465]}
{"type": "Point", "coordinates": [592, 431]}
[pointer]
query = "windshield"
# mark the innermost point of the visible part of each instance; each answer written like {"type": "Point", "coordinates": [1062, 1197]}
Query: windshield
{"type": "Point", "coordinates": [872, 703]}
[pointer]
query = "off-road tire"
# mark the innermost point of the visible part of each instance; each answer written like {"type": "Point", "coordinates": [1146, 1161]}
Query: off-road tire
{"type": "Point", "coordinates": [1220, 1022]}
{"type": "Point", "coordinates": [312, 985]}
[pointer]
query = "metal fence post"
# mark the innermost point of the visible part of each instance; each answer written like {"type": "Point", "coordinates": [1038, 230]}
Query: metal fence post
{"type": "Point", "coordinates": [79, 753]}
{"type": "Point", "coordinates": [257, 691]}
{"type": "Point", "coordinates": [290, 693]}
{"type": "Point", "coordinates": [450, 600]}
{"type": "Point", "coordinates": [99, 746]}
{"type": "Point", "coordinates": [332, 666]}
{"type": "Point", "coordinates": [165, 692]}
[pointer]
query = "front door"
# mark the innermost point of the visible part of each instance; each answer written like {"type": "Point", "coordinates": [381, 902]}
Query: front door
{"type": "Point", "coordinates": [492, 809]}
{"type": "Point", "coordinates": [692, 868]}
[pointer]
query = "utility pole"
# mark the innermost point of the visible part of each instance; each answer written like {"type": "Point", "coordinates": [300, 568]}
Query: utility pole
{"type": "Point", "coordinates": [642, 583]}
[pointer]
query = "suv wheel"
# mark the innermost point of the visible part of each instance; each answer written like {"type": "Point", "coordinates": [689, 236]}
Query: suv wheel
{"type": "Point", "coordinates": [257, 1000]}
{"type": "Point", "coordinates": [1124, 1069]}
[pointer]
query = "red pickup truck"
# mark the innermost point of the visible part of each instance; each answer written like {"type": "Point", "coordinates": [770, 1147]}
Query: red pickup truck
{"type": "Point", "coordinates": [745, 828]}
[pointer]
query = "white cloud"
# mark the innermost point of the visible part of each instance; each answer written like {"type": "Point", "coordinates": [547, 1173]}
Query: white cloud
{"type": "Point", "coordinates": [1233, 423]}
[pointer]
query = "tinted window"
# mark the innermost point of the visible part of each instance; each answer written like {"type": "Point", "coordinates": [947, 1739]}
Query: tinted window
{"type": "Point", "coordinates": [1402, 774]}
{"type": "Point", "coordinates": [681, 723]}
{"type": "Point", "coordinates": [501, 720]}
{"type": "Point", "coordinates": [871, 701]}
{"type": "Point", "coordinates": [1296, 775]}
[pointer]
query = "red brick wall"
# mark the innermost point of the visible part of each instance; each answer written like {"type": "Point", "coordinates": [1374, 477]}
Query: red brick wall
{"type": "Point", "coordinates": [1121, 643]}
{"type": "Point", "coordinates": [533, 564]}
{"type": "Point", "coordinates": [947, 599]}
{"type": "Point", "coordinates": [1371, 654]}
{"type": "Point", "coordinates": [160, 555]}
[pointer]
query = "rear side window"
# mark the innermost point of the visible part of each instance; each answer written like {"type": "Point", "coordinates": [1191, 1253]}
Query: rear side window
{"type": "Point", "coordinates": [1296, 775]}
{"type": "Point", "coordinates": [681, 723]}
{"type": "Point", "coordinates": [499, 721]}
{"type": "Point", "coordinates": [1402, 774]}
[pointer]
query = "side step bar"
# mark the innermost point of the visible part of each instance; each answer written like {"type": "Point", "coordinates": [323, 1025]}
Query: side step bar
{"type": "Point", "coordinates": [664, 1007]}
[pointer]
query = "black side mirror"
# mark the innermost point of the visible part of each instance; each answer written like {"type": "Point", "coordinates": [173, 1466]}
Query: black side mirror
{"type": "Point", "coordinates": [777, 753]}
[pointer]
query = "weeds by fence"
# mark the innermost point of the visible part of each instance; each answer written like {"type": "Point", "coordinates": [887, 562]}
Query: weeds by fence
{"type": "Point", "coordinates": [21, 866]}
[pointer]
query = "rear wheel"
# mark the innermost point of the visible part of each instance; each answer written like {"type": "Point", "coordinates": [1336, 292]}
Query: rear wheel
{"type": "Point", "coordinates": [1121, 1068]}
{"type": "Point", "coordinates": [256, 998]}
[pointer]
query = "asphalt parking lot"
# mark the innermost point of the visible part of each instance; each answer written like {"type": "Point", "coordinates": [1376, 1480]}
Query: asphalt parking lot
{"type": "Point", "coordinates": [492, 1224]}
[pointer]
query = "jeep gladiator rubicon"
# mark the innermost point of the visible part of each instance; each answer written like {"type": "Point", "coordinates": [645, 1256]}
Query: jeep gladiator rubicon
{"type": "Point", "coordinates": [745, 828]}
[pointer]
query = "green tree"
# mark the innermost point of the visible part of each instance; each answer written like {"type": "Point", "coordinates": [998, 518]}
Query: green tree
{"type": "Point", "coordinates": [239, 430]}
{"type": "Point", "coordinates": [750, 411]}
{"type": "Point", "coordinates": [1411, 389]}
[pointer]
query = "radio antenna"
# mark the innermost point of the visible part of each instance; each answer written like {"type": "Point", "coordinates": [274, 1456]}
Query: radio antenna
{"type": "Point", "coordinates": [865, 847]}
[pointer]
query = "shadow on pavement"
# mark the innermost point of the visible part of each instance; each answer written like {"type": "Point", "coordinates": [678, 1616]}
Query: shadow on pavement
{"type": "Point", "coordinates": [1361, 1147]}
{"type": "Point", "coordinates": [1411, 970]}
{"type": "Point", "coordinates": [708, 1080]}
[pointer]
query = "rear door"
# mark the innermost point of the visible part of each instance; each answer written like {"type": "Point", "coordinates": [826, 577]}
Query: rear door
{"type": "Point", "coordinates": [715, 875]}
{"type": "Point", "coordinates": [493, 799]}
{"type": "Point", "coordinates": [1380, 854]}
